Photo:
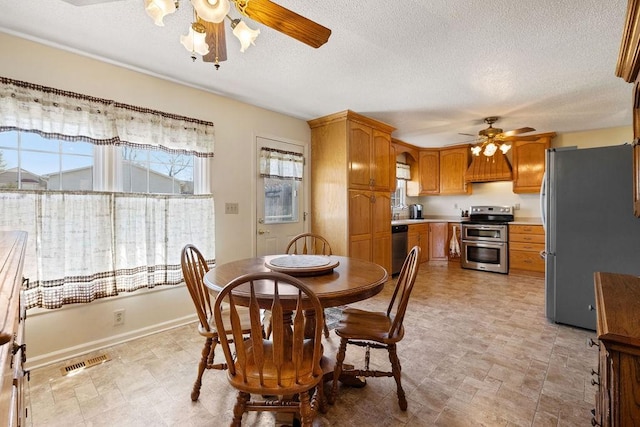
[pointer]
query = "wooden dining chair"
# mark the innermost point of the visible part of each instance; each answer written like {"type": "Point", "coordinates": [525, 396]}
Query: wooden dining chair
{"type": "Point", "coordinates": [310, 244]}
{"type": "Point", "coordinates": [378, 330]}
{"type": "Point", "coordinates": [194, 268]}
{"type": "Point", "coordinates": [285, 364]}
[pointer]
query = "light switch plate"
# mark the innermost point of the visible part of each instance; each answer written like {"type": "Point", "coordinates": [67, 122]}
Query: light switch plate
{"type": "Point", "coordinates": [231, 208]}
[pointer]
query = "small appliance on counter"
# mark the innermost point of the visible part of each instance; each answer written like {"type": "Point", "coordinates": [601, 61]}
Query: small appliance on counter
{"type": "Point", "coordinates": [415, 211]}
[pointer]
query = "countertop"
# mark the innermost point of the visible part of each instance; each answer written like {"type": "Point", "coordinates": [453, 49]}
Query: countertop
{"type": "Point", "coordinates": [453, 218]}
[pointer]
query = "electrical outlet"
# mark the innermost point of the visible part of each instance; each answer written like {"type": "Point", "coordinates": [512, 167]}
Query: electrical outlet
{"type": "Point", "coordinates": [118, 317]}
{"type": "Point", "coordinates": [231, 208]}
{"type": "Point", "coordinates": [517, 206]}
{"type": "Point", "coordinates": [455, 206]}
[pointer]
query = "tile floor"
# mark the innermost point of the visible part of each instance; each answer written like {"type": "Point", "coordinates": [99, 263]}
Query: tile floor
{"type": "Point", "coordinates": [477, 351]}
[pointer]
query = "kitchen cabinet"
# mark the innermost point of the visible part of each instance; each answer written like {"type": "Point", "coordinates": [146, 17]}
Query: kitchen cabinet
{"type": "Point", "coordinates": [628, 67]}
{"type": "Point", "coordinates": [451, 225]}
{"type": "Point", "coordinates": [528, 159]}
{"type": "Point", "coordinates": [438, 247]}
{"type": "Point", "coordinates": [526, 242]}
{"type": "Point", "coordinates": [12, 348]}
{"type": "Point", "coordinates": [617, 377]}
{"type": "Point", "coordinates": [441, 171]}
{"type": "Point", "coordinates": [371, 163]}
{"type": "Point", "coordinates": [453, 166]}
{"type": "Point", "coordinates": [352, 175]}
{"type": "Point", "coordinates": [418, 235]}
{"type": "Point", "coordinates": [425, 178]}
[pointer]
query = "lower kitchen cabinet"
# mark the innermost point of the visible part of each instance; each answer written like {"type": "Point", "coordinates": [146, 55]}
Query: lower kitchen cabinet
{"type": "Point", "coordinates": [526, 242]}
{"type": "Point", "coordinates": [438, 247]}
{"type": "Point", "coordinates": [369, 231]}
{"type": "Point", "coordinates": [418, 235]}
{"type": "Point", "coordinates": [617, 377]}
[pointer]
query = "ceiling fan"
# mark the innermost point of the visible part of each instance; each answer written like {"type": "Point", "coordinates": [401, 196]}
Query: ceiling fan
{"type": "Point", "coordinates": [490, 139]}
{"type": "Point", "coordinates": [263, 11]}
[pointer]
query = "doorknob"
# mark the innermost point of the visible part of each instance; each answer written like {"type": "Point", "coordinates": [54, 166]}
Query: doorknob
{"type": "Point", "coordinates": [261, 231]}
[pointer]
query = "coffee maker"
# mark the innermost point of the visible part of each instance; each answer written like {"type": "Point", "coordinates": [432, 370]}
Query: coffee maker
{"type": "Point", "coordinates": [415, 211]}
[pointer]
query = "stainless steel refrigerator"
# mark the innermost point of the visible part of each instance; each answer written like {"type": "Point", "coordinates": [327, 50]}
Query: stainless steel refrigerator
{"type": "Point", "coordinates": [587, 210]}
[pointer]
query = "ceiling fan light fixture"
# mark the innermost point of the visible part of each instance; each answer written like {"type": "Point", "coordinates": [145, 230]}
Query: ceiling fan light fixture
{"type": "Point", "coordinates": [195, 40]}
{"type": "Point", "coordinates": [158, 9]}
{"type": "Point", "coordinates": [212, 10]}
{"type": "Point", "coordinates": [246, 35]}
{"type": "Point", "coordinates": [504, 147]}
{"type": "Point", "coordinates": [476, 149]}
{"type": "Point", "coordinates": [490, 149]}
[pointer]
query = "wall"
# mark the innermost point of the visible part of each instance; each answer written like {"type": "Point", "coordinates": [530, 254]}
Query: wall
{"type": "Point", "coordinates": [59, 334]}
{"type": "Point", "coordinates": [500, 193]}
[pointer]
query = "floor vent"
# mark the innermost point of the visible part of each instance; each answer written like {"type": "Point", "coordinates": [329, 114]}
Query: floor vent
{"type": "Point", "coordinates": [74, 368]}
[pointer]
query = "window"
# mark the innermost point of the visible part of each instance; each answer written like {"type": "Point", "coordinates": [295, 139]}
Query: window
{"type": "Point", "coordinates": [148, 170]}
{"type": "Point", "coordinates": [399, 197]}
{"type": "Point", "coordinates": [29, 161]}
{"type": "Point", "coordinates": [280, 200]}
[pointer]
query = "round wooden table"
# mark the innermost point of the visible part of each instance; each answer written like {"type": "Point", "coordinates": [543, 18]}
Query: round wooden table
{"type": "Point", "coordinates": [352, 280]}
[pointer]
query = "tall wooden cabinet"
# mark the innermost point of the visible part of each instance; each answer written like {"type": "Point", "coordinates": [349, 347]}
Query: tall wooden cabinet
{"type": "Point", "coordinates": [352, 177]}
{"type": "Point", "coordinates": [617, 377]}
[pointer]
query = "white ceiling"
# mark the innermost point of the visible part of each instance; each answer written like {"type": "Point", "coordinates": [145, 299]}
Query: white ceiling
{"type": "Point", "coordinates": [431, 68]}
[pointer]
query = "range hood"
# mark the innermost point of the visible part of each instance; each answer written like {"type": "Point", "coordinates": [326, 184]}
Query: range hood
{"type": "Point", "coordinates": [487, 169]}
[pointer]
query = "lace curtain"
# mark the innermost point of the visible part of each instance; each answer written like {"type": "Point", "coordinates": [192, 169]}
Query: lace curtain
{"type": "Point", "coordinates": [88, 245]}
{"type": "Point", "coordinates": [70, 116]}
{"type": "Point", "coordinates": [281, 164]}
{"type": "Point", "coordinates": [84, 246]}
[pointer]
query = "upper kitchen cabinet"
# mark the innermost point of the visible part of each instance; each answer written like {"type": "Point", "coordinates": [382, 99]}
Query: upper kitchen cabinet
{"type": "Point", "coordinates": [371, 161]}
{"type": "Point", "coordinates": [352, 152]}
{"type": "Point", "coordinates": [453, 166]}
{"type": "Point", "coordinates": [529, 162]}
{"type": "Point", "coordinates": [425, 178]}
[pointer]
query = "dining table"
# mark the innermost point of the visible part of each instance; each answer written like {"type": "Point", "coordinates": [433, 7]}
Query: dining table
{"type": "Point", "coordinates": [339, 281]}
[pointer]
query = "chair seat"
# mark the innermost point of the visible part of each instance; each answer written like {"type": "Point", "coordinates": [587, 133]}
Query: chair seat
{"type": "Point", "coordinates": [358, 324]}
{"type": "Point", "coordinates": [245, 321]}
{"type": "Point", "coordinates": [250, 382]}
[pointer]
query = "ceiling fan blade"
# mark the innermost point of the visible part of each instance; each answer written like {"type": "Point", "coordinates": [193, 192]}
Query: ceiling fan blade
{"type": "Point", "coordinates": [88, 2]}
{"type": "Point", "coordinates": [466, 134]}
{"type": "Point", "coordinates": [516, 132]}
{"type": "Point", "coordinates": [216, 40]}
{"type": "Point", "coordinates": [287, 22]}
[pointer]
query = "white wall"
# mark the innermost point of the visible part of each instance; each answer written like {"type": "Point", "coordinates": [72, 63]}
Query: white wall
{"type": "Point", "coordinates": [500, 193]}
{"type": "Point", "coordinates": [59, 334]}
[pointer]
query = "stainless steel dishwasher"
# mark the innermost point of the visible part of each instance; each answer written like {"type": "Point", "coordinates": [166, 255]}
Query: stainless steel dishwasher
{"type": "Point", "coordinates": [398, 247]}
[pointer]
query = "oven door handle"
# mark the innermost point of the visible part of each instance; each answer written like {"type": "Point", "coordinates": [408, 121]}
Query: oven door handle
{"type": "Point", "coordinates": [485, 244]}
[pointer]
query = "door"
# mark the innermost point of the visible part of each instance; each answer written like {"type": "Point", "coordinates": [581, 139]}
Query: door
{"type": "Point", "coordinates": [279, 194]}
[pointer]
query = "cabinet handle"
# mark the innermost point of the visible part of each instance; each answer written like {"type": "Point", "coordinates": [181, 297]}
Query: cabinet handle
{"type": "Point", "coordinates": [591, 307]}
{"type": "Point", "coordinates": [591, 343]}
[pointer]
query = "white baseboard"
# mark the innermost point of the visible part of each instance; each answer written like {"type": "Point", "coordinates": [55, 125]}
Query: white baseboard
{"type": "Point", "coordinates": [79, 350]}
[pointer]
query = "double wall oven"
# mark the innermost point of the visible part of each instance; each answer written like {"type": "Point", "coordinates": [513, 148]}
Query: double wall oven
{"type": "Point", "coordinates": [485, 238]}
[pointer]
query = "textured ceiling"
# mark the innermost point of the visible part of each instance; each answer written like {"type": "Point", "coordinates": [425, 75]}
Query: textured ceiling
{"type": "Point", "coordinates": [431, 68]}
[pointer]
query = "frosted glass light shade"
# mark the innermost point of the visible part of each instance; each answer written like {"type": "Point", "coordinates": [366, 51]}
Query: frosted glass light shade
{"type": "Point", "coordinates": [475, 150]}
{"type": "Point", "coordinates": [490, 149]}
{"type": "Point", "coordinates": [158, 9]}
{"type": "Point", "coordinates": [245, 34]}
{"type": "Point", "coordinates": [504, 148]}
{"type": "Point", "coordinates": [211, 10]}
{"type": "Point", "coordinates": [195, 42]}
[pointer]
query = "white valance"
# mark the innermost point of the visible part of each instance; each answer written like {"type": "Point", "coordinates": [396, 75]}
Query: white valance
{"type": "Point", "coordinates": [403, 171]}
{"type": "Point", "coordinates": [72, 116]}
{"type": "Point", "coordinates": [281, 164]}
